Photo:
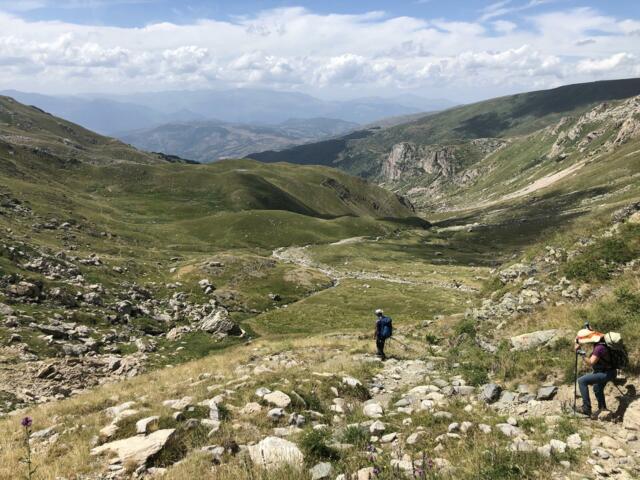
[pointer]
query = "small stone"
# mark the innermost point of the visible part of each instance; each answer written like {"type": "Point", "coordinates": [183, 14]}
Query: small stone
{"type": "Point", "coordinates": [414, 438]}
{"type": "Point", "coordinates": [574, 441]}
{"type": "Point", "coordinates": [373, 410]}
{"type": "Point", "coordinates": [388, 438]}
{"type": "Point", "coordinates": [147, 425]}
{"type": "Point", "coordinates": [377, 427]}
{"type": "Point", "coordinates": [275, 413]}
{"type": "Point", "coordinates": [558, 446]}
{"type": "Point", "coordinates": [321, 471]}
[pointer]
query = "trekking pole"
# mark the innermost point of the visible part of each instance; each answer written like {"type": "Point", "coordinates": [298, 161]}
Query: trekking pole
{"type": "Point", "coordinates": [406, 347]}
{"type": "Point", "coordinates": [575, 386]}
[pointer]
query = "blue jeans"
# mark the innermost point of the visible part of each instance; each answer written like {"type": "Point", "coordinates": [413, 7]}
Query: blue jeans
{"type": "Point", "coordinates": [599, 381]}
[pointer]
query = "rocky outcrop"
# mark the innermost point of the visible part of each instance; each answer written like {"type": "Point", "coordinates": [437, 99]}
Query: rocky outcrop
{"type": "Point", "coordinates": [577, 135]}
{"type": "Point", "coordinates": [409, 160]}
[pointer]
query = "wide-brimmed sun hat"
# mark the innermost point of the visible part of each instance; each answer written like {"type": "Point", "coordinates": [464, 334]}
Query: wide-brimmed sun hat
{"type": "Point", "coordinates": [588, 336]}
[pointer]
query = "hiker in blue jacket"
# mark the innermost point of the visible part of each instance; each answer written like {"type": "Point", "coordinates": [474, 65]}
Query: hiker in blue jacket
{"type": "Point", "coordinates": [384, 330]}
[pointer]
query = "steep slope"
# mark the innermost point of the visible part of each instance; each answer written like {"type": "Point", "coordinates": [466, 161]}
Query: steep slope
{"type": "Point", "coordinates": [365, 153]}
{"type": "Point", "coordinates": [45, 135]}
{"type": "Point", "coordinates": [208, 141]}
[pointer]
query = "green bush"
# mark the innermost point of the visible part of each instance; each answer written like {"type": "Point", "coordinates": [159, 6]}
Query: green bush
{"type": "Point", "coordinates": [315, 448]}
{"type": "Point", "coordinates": [355, 435]}
{"type": "Point", "coordinates": [475, 373]}
{"type": "Point", "coordinates": [467, 326]}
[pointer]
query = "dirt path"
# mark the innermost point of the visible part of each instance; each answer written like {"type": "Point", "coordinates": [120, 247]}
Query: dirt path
{"type": "Point", "coordinates": [300, 256]}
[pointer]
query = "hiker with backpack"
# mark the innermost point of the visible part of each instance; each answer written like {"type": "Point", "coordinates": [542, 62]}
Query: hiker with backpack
{"type": "Point", "coordinates": [384, 330]}
{"type": "Point", "coordinates": [607, 355]}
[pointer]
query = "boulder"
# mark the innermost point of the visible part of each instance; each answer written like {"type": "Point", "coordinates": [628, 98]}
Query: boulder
{"type": "Point", "coordinates": [490, 393]}
{"type": "Point", "coordinates": [531, 340]}
{"type": "Point", "coordinates": [274, 452]}
{"type": "Point", "coordinates": [219, 324]}
{"type": "Point", "coordinates": [278, 399]}
{"type": "Point", "coordinates": [631, 419]}
{"type": "Point", "coordinates": [137, 450]}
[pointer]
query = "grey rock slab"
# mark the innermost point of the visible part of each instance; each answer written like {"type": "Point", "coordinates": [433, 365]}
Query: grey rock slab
{"type": "Point", "coordinates": [547, 393]}
{"type": "Point", "coordinates": [137, 449]}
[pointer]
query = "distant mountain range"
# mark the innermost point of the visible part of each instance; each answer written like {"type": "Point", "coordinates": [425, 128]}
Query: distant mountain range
{"type": "Point", "coordinates": [111, 114]}
{"type": "Point", "coordinates": [211, 140]}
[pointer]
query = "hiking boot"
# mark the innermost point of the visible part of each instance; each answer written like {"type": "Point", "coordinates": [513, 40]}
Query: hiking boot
{"type": "Point", "coordinates": [602, 414]}
{"type": "Point", "coordinates": [584, 411]}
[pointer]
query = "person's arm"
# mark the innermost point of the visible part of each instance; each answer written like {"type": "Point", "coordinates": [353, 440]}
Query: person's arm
{"type": "Point", "coordinates": [375, 334]}
{"type": "Point", "coordinates": [596, 355]}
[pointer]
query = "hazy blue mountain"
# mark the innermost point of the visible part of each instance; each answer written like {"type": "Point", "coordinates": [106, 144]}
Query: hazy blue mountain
{"type": "Point", "coordinates": [211, 140]}
{"type": "Point", "coordinates": [108, 114]}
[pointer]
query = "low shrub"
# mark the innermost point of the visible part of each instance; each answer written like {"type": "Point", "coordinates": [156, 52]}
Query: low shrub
{"type": "Point", "coordinates": [315, 448]}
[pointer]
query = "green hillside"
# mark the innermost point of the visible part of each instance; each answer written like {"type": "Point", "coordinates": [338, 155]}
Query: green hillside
{"type": "Point", "coordinates": [362, 153]}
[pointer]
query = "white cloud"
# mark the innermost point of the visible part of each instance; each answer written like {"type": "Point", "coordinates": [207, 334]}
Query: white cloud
{"type": "Point", "coordinates": [293, 48]}
{"type": "Point", "coordinates": [506, 7]}
{"type": "Point", "coordinates": [603, 65]}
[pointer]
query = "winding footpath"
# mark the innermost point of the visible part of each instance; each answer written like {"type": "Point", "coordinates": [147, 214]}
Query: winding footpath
{"type": "Point", "coordinates": [300, 256]}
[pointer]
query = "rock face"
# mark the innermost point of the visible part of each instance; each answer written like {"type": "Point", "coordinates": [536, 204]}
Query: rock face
{"type": "Point", "coordinates": [631, 420]}
{"type": "Point", "coordinates": [410, 160]}
{"type": "Point", "coordinates": [274, 452]}
{"type": "Point", "coordinates": [137, 449]}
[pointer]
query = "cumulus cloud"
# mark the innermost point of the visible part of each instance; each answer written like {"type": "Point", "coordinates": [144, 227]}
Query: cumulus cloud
{"type": "Point", "coordinates": [614, 62]}
{"type": "Point", "coordinates": [294, 48]}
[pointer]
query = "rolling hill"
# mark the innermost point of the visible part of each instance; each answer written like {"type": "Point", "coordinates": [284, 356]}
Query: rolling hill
{"type": "Point", "coordinates": [211, 140]}
{"type": "Point", "coordinates": [175, 198]}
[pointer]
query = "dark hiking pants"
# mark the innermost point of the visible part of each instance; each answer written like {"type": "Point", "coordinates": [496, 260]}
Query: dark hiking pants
{"type": "Point", "coordinates": [599, 381]}
{"type": "Point", "coordinates": [380, 346]}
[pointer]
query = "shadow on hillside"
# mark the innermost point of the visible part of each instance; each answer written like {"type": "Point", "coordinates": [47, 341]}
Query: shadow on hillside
{"type": "Point", "coordinates": [505, 232]}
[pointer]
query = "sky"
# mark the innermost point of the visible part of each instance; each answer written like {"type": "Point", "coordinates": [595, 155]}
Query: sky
{"type": "Point", "coordinates": [460, 50]}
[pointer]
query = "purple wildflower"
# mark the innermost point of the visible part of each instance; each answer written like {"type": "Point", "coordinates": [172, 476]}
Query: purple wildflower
{"type": "Point", "coordinates": [26, 422]}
